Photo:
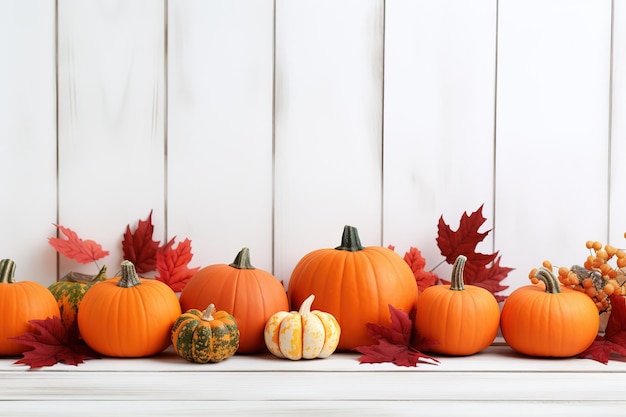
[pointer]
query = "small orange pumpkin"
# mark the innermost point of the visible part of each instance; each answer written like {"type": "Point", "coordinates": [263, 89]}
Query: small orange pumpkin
{"type": "Point", "coordinates": [461, 319]}
{"type": "Point", "coordinates": [549, 320]}
{"type": "Point", "coordinates": [355, 284]}
{"type": "Point", "coordinates": [128, 316]}
{"type": "Point", "coordinates": [20, 302]}
{"type": "Point", "coordinates": [251, 295]}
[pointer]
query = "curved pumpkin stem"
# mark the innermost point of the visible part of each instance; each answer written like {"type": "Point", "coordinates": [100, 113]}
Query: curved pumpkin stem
{"type": "Point", "coordinates": [7, 271]}
{"type": "Point", "coordinates": [305, 307]}
{"type": "Point", "coordinates": [73, 276]}
{"type": "Point", "coordinates": [350, 240]}
{"type": "Point", "coordinates": [129, 275]}
{"type": "Point", "coordinates": [242, 260]}
{"type": "Point", "coordinates": [552, 282]}
{"type": "Point", "coordinates": [207, 314]}
{"type": "Point", "coordinates": [456, 280]}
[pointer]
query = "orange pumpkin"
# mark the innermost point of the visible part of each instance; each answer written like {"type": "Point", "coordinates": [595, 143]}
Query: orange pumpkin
{"type": "Point", "coordinates": [461, 319]}
{"type": "Point", "coordinates": [549, 320]}
{"type": "Point", "coordinates": [251, 295]}
{"type": "Point", "coordinates": [355, 284]}
{"type": "Point", "coordinates": [128, 316]}
{"type": "Point", "coordinates": [20, 302]}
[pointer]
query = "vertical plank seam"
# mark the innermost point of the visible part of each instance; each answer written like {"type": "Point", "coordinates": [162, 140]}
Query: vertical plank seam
{"type": "Point", "coordinates": [165, 116]}
{"type": "Point", "coordinates": [495, 129]}
{"type": "Point", "coordinates": [56, 111]}
{"type": "Point", "coordinates": [382, 129]}
{"type": "Point", "coordinates": [610, 121]}
{"type": "Point", "coordinates": [273, 133]}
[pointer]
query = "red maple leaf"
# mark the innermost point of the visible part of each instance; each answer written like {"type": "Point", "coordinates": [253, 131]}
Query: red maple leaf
{"type": "Point", "coordinates": [172, 264]}
{"type": "Point", "coordinates": [488, 278]}
{"type": "Point", "coordinates": [614, 339]}
{"type": "Point", "coordinates": [416, 261]}
{"type": "Point", "coordinates": [393, 344]}
{"type": "Point", "coordinates": [52, 343]}
{"type": "Point", "coordinates": [83, 251]}
{"type": "Point", "coordinates": [463, 241]}
{"type": "Point", "coordinates": [139, 248]}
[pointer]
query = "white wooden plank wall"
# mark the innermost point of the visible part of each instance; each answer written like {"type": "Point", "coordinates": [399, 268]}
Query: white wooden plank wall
{"type": "Point", "coordinates": [271, 124]}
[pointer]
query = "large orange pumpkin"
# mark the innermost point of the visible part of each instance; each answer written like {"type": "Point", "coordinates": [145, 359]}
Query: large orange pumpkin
{"type": "Point", "coordinates": [128, 316]}
{"type": "Point", "coordinates": [549, 320]}
{"type": "Point", "coordinates": [251, 295]}
{"type": "Point", "coordinates": [20, 302]}
{"type": "Point", "coordinates": [461, 319]}
{"type": "Point", "coordinates": [355, 284]}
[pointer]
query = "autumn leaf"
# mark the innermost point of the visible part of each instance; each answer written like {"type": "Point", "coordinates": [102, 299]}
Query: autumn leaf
{"type": "Point", "coordinates": [172, 264]}
{"type": "Point", "coordinates": [51, 343]}
{"type": "Point", "coordinates": [464, 240]}
{"type": "Point", "coordinates": [489, 278]}
{"type": "Point", "coordinates": [139, 248]}
{"type": "Point", "coordinates": [393, 344]}
{"type": "Point", "coordinates": [483, 270]}
{"type": "Point", "coordinates": [83, 251]}
{"type": "Point", "coordinates": [416, 261]}
{"type": "Point", "coordinates": [614, 339]}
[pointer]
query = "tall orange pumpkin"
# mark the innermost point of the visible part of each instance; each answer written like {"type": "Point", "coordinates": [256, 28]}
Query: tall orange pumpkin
{"type": "Point", "coordinates": [549, 320]}
{"type": "Point", "coordinates": [20, 302]}
{"type": "Point", "coordinates": [355, 284]}
{"type": "Point", "coordinates": [251, 295]}
{"type": "Point", "coordinates": [128, 316]}
{"type": "Point", "coordinates": [461, 319]}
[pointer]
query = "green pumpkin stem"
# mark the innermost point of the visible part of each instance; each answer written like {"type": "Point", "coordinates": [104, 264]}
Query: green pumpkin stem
{"type": "Point", "coordinates": [456, 279]}
{"type": "Point", "coordinates": [129, 275]}
{"type": "Point", "coordinates": [350, 240]}
{"type": "Point", "coordinates": [7, 271]}
{"type": "Point", "coordinates": [73, 276]}
{"type": "Point", "coordinates": [207, 314]}
{"type": "Point", "coordinates": [242, 260]}
{"type": "Point", "coordinates": [552, 282]}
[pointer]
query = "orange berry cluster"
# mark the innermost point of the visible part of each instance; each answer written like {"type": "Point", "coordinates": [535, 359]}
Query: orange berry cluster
{"type": "Point", "coordinates": [597, 278]}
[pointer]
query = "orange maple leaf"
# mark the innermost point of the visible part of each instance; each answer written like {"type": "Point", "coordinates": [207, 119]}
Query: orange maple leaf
{"type": "Point", "coordinates": [83, 251]}
{"type": "Point", "coordinates": [172, 264]}
{"type": "Point", "coordinates": [417, 263]}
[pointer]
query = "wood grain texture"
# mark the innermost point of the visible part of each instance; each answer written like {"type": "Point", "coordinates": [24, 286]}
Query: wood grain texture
{"type": "Point", "coordinates": [328, 125]}
{"type": "Point", "coordinates": [312, 408]}
{"type": "Point", "coordinates": [552, 131]}
{"type": "Point", "coordinates": [111, 120]}
{"type": "Point", "coordinates": [28, 137]}
{"type": "Point", "coordinates": [220, 177]}
{"type": "Point", "coordinates": [617, 219]}
{"type": "Point", "coordinates": [439, 118]}
{"type": "Point", "coordinates": [336, 384]}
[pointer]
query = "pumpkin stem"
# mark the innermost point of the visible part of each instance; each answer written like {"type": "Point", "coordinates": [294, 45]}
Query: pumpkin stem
{"type": "Point", "coordinates": [85, 278]}
{"type": "Point", "coordinates": [305, 307]}
{"type": "Point", "coordinates": [547, 276]}
{"type": "Point", "coordinates": [207, 314]}
{"type": "Point", "coordinates": [7, 271]}
{"type": "Point", "coordinates": [456, 280]}
{"type": "Point", "coordinates": [242, 260]}
{"type": "Point", "coordinates": [350, 240]}
{"type": "Point", "coordinates": [129, 275]}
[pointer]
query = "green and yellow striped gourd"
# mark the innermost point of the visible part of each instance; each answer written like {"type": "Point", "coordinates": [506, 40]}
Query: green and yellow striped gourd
{"type": "Point", "coordinates": [70, 290]}
{"type": "Point", "coordinates": [205, 336]}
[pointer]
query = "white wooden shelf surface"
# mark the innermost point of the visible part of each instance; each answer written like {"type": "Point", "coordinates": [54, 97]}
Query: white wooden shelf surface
{"type": "Point", "coordinates": [494, 382]}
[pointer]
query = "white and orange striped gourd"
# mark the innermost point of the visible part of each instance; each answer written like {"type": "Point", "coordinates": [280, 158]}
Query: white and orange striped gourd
{"type": "Point", "coordinates": [302, 334]}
